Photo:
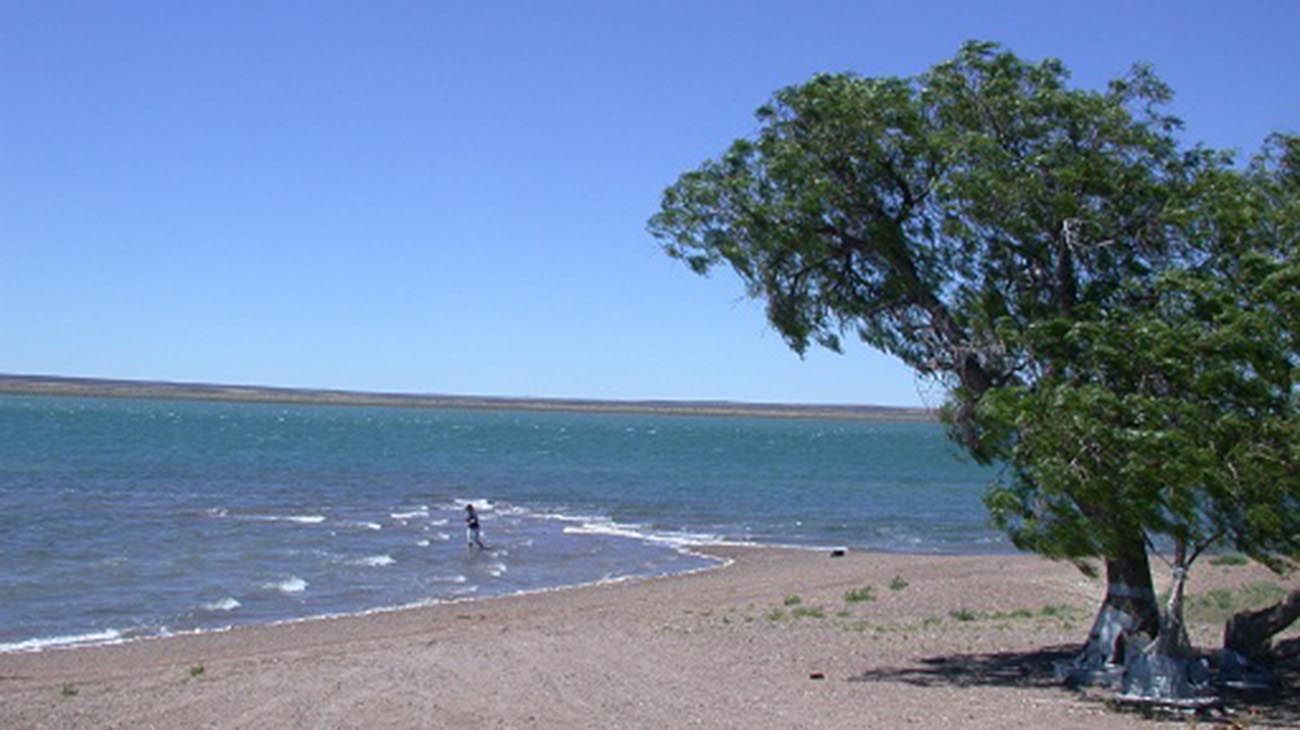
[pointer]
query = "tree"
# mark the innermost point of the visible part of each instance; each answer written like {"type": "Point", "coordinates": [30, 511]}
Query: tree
{"type": "Point", "coordinates": [945, 219]}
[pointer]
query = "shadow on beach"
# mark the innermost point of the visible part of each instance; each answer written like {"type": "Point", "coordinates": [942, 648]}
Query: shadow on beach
{"type": "Point", "coordinates": [1003, 669]}
{"type": "Point", "coordinates": [1036, 670]}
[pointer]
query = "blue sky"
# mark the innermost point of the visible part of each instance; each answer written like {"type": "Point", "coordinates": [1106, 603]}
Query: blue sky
{"type": "Point", "coordinates": [451, 197]}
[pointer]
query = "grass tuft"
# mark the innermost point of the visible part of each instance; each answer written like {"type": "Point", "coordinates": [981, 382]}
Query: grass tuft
{"type": "Point", "coordinates": [793, 600]}
{"type": "Point", "coordinates": [963, 614]}
{"type": "Point", "coordinates": [898, 583]}
{"type": "Point", "coordinates": [1229, 559]}
{"type": "Point", "coordinates": [860, 595]}
{"type": "Point", "coordinates": [1220, 604]}
{"type": "Point", "coordinates": [808, 612]}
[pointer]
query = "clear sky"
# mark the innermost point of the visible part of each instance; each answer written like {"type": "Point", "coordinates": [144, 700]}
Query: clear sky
{"type": "Point", "coordinates": [450, 197]}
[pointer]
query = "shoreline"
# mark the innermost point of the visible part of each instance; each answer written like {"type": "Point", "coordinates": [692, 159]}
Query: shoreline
{"type": "Point", "coordinates": [927, 639]}
{"type": "Point", "coordinates": [70, 642]}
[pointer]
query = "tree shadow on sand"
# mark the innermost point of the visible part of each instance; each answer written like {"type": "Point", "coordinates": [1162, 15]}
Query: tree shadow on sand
{"type": "Point", "coordinates": [1002, 669]}
{"type": "Point", "coordinates": [1036, 670]}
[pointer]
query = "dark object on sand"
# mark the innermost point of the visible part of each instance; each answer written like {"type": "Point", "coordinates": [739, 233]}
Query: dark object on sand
{"type": "Point", "coordinates": [817, 675]}
{"type": "Point", "coordinates": [837, 552]}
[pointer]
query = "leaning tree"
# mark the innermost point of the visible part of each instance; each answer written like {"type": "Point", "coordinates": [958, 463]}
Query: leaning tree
{"type": "Point", "coordinates": [951, 219]}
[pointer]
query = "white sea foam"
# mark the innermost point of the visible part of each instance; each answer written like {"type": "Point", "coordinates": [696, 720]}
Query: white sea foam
{"type": "Point", "coordinates": [450, 579]}
{"type": "Point", "coordinates": [437, 523]}
{"type": "Point", "coordinates": [481, 504]}
{"type": "Point", "coordinates": [108, 636]}
{"type": "Point", "coordinates": [296, 519]}
{"type": "Point", "coordinates": [369, 525]}
{"type": "Point", "coordinates": [496, 570]}
{"type": "Point", "coordinates": [638, 532]}
{"type": "Point", "coordinates": [416, 513]}
{"type": "Point", "coordinates": [226, 604]}
{"type": "Point", "coordinates": [441, 536]}
{"type": "Point", "coordinates": [423, 543]}
{"type": "Point", "coordinates": [375, 561]}
{"type": "Point", "coordinates": [292, 584]}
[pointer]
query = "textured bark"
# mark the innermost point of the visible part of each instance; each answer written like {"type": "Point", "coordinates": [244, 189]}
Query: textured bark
{"type": "Point", "coordinates": [1129, 589]}
{"type": "Point", "coordinates": [1250, 633]}
{"type": "Point", "coordinates": [1127, 614]}
{"type": "Point", "coordinates": [1173, 639]}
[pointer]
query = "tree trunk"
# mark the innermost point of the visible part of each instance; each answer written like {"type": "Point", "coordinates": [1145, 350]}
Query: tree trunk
{"type": "Point", "coordinates": [1173, 640]}
{"type": "Point", "coordinates": [1128, 610]}
{"type": "Point", "coordinates": [1249, 633]}
{"type": "Point", "coordinates": [1164, 670]}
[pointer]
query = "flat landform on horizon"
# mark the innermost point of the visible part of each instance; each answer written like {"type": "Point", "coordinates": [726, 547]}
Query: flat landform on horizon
{"type": "Point", "coordinates": [107, 388]}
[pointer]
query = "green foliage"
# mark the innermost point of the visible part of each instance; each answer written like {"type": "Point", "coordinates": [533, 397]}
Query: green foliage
{"type": "Point", "coordinates": [1217, 605]}
{"type": "Point", "coordinates": [1180, 415]}
{"type": "Point", "coordinates": [808, 612]}
{"type": "Point", "coordinates": [1230, 559]}
{"type": "Point", "coordinates": [898, 583]}
{"type": "Point", "coordinates": [775, 614]}
{"type": "Point", "coordinates": [69, 690]}
{"type": "Point", "coordinates": [860, 595]}
{"type": "Point", "coordinates": [962, 614]}
{"type": "Point", "coordinates": [793, 600]}
{"type": "Point", "coordinates": [196, 671]}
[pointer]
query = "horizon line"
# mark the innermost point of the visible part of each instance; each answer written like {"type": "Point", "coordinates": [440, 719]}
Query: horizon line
{"type": "Point", "coordinates": [87, 386]}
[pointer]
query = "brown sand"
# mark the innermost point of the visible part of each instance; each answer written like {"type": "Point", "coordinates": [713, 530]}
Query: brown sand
{"type": "Point", "coordinates": [968, 642]}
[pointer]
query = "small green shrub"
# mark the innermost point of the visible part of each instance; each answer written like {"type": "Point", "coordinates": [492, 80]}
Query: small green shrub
{"type": "Point", "coordinates": [809, 612]}
{"type": "Point", "coordinates": [963, 614]}
{"type": "Point", "coordinates": [793, 600]}
{"type": "Point", "coordinates": [69, 690]}
{"type": "Point", "coordinates": [1229, 559]}
{"type": "Point", "coordinates": [1218, 605]}
{"type": "Point", "coordinates": [775, 614]}
{"type": "Point", "coordinates": [860, 595]}
{"type": "Point", "coordinates": [196, 670]}
{"type": "Point", "coordinates": [897, 584]}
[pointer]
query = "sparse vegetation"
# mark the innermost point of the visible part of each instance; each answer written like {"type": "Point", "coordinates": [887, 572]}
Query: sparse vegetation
{"type": "Point", "coordinates": [775, 614]}
{"type": "Point", "coordinates": [860, 595]}
{"type": "Point", "coordinates": [808, 612]}
{"type": "Point", "coordinates": [793, 600]}
{"type": "Point", "coordinates": [1218, 605]}
{"type": "Point", "coordinates": [69, 690]}
{"type": "Point", "coordinates": [196, 671]}
{"type": "Point", "coordinates": [898, 583]}
{"type": "Point", "coordinates": [1055, 611]}
{"type": "Point", "coordinates": [962, 614]}
{"type": "Point", "coordinates": [1229, 559]}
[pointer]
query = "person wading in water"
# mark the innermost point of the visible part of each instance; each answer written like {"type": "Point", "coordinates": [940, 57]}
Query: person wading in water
{"type": "Point", "coordinates": [472, 535]}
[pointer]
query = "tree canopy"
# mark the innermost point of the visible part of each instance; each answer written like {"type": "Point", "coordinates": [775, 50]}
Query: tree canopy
{"type": "Point", "coordinates": [929, 215]}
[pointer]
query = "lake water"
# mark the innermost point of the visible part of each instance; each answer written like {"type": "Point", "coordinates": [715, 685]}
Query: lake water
{"type": "Point", "coordinates": [131, 518]}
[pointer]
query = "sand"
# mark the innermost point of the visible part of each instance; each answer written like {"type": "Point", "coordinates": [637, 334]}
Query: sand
{"type": "Point", "coordinates": [768, 641]}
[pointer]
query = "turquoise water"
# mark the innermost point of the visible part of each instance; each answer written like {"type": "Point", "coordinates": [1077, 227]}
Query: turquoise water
{"type": "Point", "coordinates": [126, 518]}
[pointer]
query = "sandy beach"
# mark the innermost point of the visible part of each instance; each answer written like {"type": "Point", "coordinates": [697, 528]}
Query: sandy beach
{"type": "Point", "coordinates": [774, 639]}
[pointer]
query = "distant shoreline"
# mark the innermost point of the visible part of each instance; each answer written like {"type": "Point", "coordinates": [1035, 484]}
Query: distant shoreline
{"type": "Point", "coordinates": [47, 385]}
